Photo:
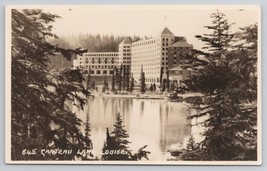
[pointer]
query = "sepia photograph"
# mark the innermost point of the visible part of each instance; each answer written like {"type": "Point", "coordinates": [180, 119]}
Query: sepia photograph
{"type": "Point", "coordinates": [133, 84]}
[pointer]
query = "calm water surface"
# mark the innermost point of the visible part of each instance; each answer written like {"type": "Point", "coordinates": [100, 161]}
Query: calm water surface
{"type": "Point", "coordinates": [156, 123]}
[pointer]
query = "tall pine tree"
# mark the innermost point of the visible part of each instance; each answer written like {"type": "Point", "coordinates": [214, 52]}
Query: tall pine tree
{"type": "Point", "coordinates": [142, 81]}
{"type": "Point", "coordinates": [113, 83]}
{"type": "Point", "coordinates": [40, 117]}
{"type": "Point", "coordinates": [131, 88]}
{"type": "Point", "coordinates": [167, 81]}
{"type": "Point", "coordinates": [228, 85]}
{"type": "Point", "coordinates": [117, 141]}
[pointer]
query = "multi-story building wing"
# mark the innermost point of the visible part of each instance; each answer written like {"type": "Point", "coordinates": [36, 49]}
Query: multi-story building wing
{"type": "Point", "coordinates": [179, 63]}
{"type": "Point", "coordinates": [153, 55]}
{"type": "Point", "coordinates": [125, 52]}
{"type": "Point", "coordinates": [146, 53]}
{"type": "Point", "coordinates": [166, 39]}
{"type": "Point", "coordinates": [99, 63]}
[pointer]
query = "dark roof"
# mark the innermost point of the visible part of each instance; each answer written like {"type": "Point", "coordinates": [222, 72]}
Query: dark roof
{"type": "Point", "coordinates": [166, 31]}
{"type": "Point", "coordinates": [179, 38]}
{"type": "Point", "coordinates": [127, 40]}
{"type": "Point", "coordinates": [181, 44]}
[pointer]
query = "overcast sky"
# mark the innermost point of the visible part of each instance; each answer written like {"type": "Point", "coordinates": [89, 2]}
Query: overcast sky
{"type": "Point", "coordinates": [147, 20]}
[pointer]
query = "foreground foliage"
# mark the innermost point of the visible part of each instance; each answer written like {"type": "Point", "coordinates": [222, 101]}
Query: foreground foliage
{"type": "Point", "coordinates": [41, 118]}
{"type": "Point", "coordinates": [227, 78]}
{"type": "Point", "coordinates": [116, 144]}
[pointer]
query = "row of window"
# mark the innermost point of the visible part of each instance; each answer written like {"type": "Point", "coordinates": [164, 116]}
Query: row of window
{"type": "Point", "coordinates": [100, 59]}
{"type": "Point", "coordinates": [164, 53]}
{"type": "Point", "coordinates": [126, 54]}
{"type": "Point", "coordinates": [179, 48]}
{"type": "Point", "coordinates": [144, 43]}
{"type": "Point", "coordinates": [164, 63]}
{"type": "Point", "coordinates": [163, 39]}
{"type": "Point", "coordinates": [163, 44]}
{"type": "Point", "coordinates": [103, 54]}
{"type": "Point", "coordinates": [98, 72]}
{"type": "Point", "coordinates": [99, 66]}
{"type": "Point", "coordinates": [126, 58]}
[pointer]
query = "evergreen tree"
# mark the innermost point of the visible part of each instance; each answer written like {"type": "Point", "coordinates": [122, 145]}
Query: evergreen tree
{"type": "Point", "coordinates": [119, 79]}
{"type": "Point", "coordinates": [161, 76]}
{"type": "Point", "coordinates": [191, 152]}
{"type": "Point", "coordinates": [154, 87]}
{"type": "Point", "coordinates": [120, 134]}
{"type": "Point", "coordinates": [151, 87]}
{"type": "Point", "coordinates": [117, 140]}
{"type": "Point", "coordinates": [163, 85]}
{"type": "Point", "coordinates": [88, 79]}
{"type": "Point", "coordinates": [127, 80]}
{"type": "Point", "coordinates": [87, 139]}
{"type": "Point", "coordinates": [113, 82]}
{"type": "Point", "coordinates": [39, 114]}
{"type": "Point", "coordinates": [131, 83]}
{"type": "Point", "coordinates": [167, 81]}
{"type": "Point", "coordinates": [142, 81]}
{"type": "Point", "coordinates": [229, 88]}
{"type": "Point", "coordinates": [123, 78]}
{"type": "Point", "coordinates": [105, 85]}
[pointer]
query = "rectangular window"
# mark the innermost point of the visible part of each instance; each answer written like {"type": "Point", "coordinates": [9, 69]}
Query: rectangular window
{"type": "Point", "coordinates": [98, 72]}
{"type": "Point", "coordinates": [105, 72]}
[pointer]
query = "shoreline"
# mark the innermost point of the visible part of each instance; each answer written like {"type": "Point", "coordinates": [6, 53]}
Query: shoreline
{"type": "Point", "coordinates": [131, 96]}
{"type": "Point", "coordinates": [143, 96]}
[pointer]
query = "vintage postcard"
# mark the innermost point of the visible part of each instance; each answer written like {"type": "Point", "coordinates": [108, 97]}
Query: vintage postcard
{"type": "Point", "coordinates": [133, 84]}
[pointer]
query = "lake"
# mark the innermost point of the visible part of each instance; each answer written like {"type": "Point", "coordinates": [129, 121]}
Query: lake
{"type": "Point", "coordinates": [160, 124]}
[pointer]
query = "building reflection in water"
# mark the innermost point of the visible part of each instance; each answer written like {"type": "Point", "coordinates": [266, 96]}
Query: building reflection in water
{"type": "Point", "coordinates": [156, 123]}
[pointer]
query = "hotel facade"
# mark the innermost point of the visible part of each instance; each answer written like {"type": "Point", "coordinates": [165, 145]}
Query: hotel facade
{"type": "Point", "coordinates": [152, 54]}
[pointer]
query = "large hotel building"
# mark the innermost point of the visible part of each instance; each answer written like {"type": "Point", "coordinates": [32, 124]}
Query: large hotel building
{"type": "Point", "coordinates": [152, 54]}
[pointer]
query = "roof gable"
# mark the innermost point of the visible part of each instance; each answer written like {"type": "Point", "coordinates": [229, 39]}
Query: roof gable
{"type": "Point", "coordinates": [166, 31]}
{"type": "Point", "coordinates": [127, 40]}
